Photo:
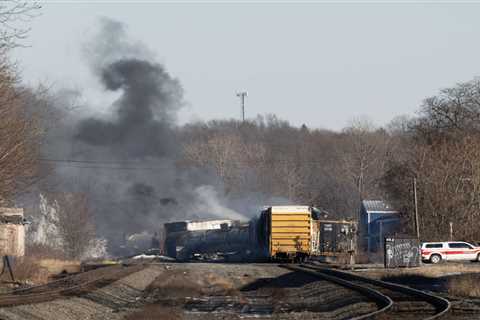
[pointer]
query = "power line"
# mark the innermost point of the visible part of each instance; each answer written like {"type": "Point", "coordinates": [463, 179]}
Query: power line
{"type": "Point", "coordinates": [95, 164]}
{"type": "Point", "coordinates": [91, 161]}
{"type": "Point", "coordinates": [128, 164]}
{"type": "Point", "coordinates": [114, 168]}
{"type": "Point", "coordinates": [146, 162]}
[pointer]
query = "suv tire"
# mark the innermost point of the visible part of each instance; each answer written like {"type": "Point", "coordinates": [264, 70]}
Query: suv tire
{"type": "Point", "coordinates": [435, 258]}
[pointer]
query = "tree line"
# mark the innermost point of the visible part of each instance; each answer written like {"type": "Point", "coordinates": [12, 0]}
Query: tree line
{"type": "Point", "coordinates": [332, 170]}
{"type": "Point", "coordinates": [440, 149]}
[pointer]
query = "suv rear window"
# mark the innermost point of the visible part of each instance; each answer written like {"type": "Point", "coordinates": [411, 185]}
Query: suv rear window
{"type": "Point", "coordinates": [434, 245]}
{"type": "Point", "coordinates": [459, 245]}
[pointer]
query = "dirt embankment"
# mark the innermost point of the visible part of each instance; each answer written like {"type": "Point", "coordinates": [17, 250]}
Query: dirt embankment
{"type": "Point", "coordinates": [180, 284]}
{"type": "Point", "coordinates": [234, 291]}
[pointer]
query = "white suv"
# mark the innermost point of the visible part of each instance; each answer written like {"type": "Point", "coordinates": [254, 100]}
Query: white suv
{"type": "Point", "coordinates": [435, 252]}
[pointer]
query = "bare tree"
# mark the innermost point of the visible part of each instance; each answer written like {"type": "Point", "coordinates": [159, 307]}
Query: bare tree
{"type": "Point", "coordinates": [19, 144]}
{"type": "Point", "coordinates": [13, 15]}
{"type": "Point", "coordinates": [364, 154]}
{"type": "Point", "coordinates": [75, 223]}
{"type": "Point", "coordinates": [271, 157]}
{"type": "Point", "coordinates": [441, 150]}
{"type": "Point", "coordinates": [230, 156]}
{"type": "Point", "coordinates": [18, 127]}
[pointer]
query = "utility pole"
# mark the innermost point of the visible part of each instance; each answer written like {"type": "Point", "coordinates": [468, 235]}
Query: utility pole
{"type": "Point", "coordinates": [451, 231]}
{"type": "Point", "coordinates": [242, 96]}
{"type": "Point", "coordinates": [415, 202]}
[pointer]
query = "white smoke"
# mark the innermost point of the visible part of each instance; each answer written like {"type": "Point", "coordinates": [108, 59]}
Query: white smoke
{"type": "Point", "coordinates": [97, 248]}
{"type": "Point", "coordinates": [207, 200]}
{"type": "Point", "coordinates": [44, 227]}
{"type": "Point", "coordinates": [45, 231]}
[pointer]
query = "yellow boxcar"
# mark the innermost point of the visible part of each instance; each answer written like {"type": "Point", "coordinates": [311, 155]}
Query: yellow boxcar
{"type": "Point", "coordinates": [289, 231]}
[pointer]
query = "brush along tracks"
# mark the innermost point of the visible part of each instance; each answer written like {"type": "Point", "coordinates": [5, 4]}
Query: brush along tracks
{"type": "Point", "coordinates": [394, 301]}
{"type": "Point", "coordinates": [75, 285]}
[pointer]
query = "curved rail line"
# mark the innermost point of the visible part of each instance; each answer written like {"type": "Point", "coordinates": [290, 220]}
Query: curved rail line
{"type": "Point", "coordinates": [373, 288]}
{"type": "Point", "coordinates": [20, 297]}
{"type": "Point", "coordinates": [383, 302]}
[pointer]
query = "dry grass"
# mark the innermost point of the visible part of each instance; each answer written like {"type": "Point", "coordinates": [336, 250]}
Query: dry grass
{"type": "Point", "coordinates": [38, 271]}
{"type": "Point", "coordinates": [464, 285]}
{"type": "Point", "coordinates": [26, 270]}
{"type": "Point", "coordinates": [39, 251]}
{"type": "Point", "coordinates": [56, 266]}
{"type": "Point", "coordinates": [457, 279]}
{"type": "Point", "coordinates": [38, 265]}
{"type": "Point", "coordinates": [427, 270]}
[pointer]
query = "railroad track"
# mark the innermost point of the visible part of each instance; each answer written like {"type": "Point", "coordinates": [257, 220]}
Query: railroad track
{"type": "Point", "coordinates": [394, 301]}
{"type": "Point", "coordinates": [66, 287]}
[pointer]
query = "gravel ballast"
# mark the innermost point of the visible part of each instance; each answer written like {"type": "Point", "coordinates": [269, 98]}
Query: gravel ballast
{"type": "Point", "coordinates": [113, 301]}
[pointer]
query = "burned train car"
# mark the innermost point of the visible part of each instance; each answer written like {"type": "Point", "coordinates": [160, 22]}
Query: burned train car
{"type": "Point", "coordinates": [210, 239]}
{"type": "Point", "coordinates": [291, 233]}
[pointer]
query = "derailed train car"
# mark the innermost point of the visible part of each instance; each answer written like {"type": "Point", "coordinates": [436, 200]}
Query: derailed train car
{"type": "Point", "coordinates": [285, 232]}
{"type": "Point", "coordinates": [291, 233]}
{"type": "Point", "coordinates": [336, 240]}
{"type": "Point", "coordinates": [210, 239]}
{"type": "Point", "coordinates": [299, 232]}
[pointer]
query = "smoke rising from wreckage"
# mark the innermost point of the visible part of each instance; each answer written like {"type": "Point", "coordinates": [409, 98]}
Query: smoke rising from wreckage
{"type": "Point", "coordinates": [285, 233]}
{"type": "Point", "coordinates": [139, 131]}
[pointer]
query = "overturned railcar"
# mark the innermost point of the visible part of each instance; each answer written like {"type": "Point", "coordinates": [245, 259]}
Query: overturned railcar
{"type": "Point", "coordinates": [210, 239]}
{"type": "Point", "coordinates": [285, 232]}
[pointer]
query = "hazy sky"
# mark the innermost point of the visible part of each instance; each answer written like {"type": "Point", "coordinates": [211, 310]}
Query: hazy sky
{"type": "Point", "coordinates": [320, 64]}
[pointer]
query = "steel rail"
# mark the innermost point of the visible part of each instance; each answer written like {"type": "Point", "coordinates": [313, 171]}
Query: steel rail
{"type": "Point", "coordinates": [13, 299]}
{"type": "Point", "coordinates": [441, 304]}
{"type": "Point", "coordinates": [65, 280]}
{"type": "Point", "coordinates": [383, 301]}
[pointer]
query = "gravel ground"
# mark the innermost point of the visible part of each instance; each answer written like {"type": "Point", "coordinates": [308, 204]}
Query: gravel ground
{"type": "Point", "coordinates": [204, 291]}
{"type": "Point", "coordinates": [113, 301]}
{"type": "Point", "coordinates": [207, 291]}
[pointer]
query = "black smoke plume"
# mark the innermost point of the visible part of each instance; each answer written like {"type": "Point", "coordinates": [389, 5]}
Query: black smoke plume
{"type": "Point", "coordinates": [144, 114]}
{"type": "Point", "coordinates": [126, 154]}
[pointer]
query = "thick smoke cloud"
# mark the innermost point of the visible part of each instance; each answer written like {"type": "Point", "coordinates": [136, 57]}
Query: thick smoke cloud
{"type": "Point", "coordinates": [144, 114]}
{"type": "Point", "coordinates": [126, 160]}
